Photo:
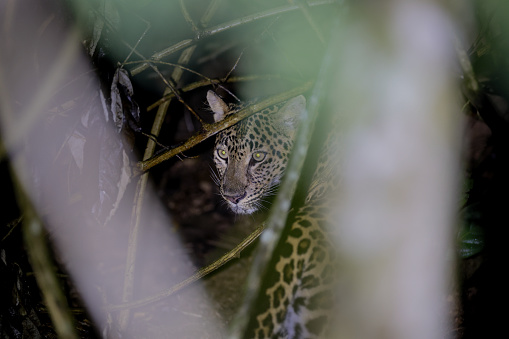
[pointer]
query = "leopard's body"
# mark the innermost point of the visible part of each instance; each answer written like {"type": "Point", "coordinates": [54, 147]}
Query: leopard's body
{"type": "Point", "coordinates": [250, 158]}
{"type": "Point", "coordinates": [295, 299]}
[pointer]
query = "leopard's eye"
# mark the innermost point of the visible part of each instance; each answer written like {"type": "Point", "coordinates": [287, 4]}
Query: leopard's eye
{"type": "Point", "coordinates": [222, 154]}
{"type": "Point", "coordinates": [259, 156]}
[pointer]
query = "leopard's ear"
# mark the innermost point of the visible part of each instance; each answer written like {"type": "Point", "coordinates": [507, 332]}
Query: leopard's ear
{"type": "Point", "coordinates": [217, 105]}
{"type": "Point", "coordinates": [288, 117]}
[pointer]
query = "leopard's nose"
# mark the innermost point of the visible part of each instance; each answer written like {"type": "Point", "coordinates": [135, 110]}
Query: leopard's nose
{"type": "Point", "coordinates": [235, 198]}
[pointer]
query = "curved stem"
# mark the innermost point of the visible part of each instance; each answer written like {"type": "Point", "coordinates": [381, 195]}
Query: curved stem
{"type": "Point", "coordinates": [224, 27]}
{"type": "Point", "coordinates": [202, 272]}
{"type": "Point", "coordinates": [279, 211]}
{"type": "Point", "coordinates": [129, 274]}
{"type": "Point", "coordinates": [44, 268]}
{"type": "Point", "coordinates": [209, 130]}
{"type": "Point", "coordinates": [208, 82]}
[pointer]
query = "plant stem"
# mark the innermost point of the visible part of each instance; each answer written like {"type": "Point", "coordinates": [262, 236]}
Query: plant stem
{"type": "Point", "coordinates": [224, 27]}
{"type": "Point", "coordinates": [209, 130]}
{"type": "Point", "coordinates": [202, 272]}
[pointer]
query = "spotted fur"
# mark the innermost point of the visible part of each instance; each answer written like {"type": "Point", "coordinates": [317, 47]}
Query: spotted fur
{"type": "Point", "coordinates": [294, 299]}
{"type": "Point", "coordinates": [251, 156]}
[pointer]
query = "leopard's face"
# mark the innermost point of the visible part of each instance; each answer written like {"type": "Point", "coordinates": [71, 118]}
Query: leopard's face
{"type": "Point", "coordinates": [250, 159]}
{"type": "Point", "coordinates": [251, 156]}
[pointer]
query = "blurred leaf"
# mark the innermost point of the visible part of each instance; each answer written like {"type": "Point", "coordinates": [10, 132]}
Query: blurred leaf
{"type": "Point", "coordinates": [123, 107]}
{"type": "Point", "coordinates": [76, 144]}
{"type": "Point", "coordinates": [471, 235]}
{"type": "Point", "coordinates": [106, 11]}
{"type": "Point", "coordinates": [116, 99]}
{"type": "Point", "coordinates": [114, 176]}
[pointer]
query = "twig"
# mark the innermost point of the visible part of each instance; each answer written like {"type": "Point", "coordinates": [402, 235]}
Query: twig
{"type": "Point", "coordinates": [304, 7]}
{"type": "Point", "coordinates": [43, 266]}
{"type": "Point", "coordinates": [203, 83]}
{"type": "Point", "coordinates": [176, 92]}
{"type": "Point", "coordinates": [139, 40]}
{"type": "Point", "coordinates": [202, 272]}
{"type": "Point", "coordinates": [209, 130]}
{"type": "Point", "coordinates": [156, 70]}
{"type": "Point", "coordinates": [139, 197]}
{"type": "Point", "coordinates": [12, 226]}
{"type": "Point", "coordinates": [187, 16]}
{"type": "Point", "coordinates": [128, 289]}
{"type": "Point", "coordinates": [279, 211]}
{"type": "Point", "coordinates": [235, 65]}
{"type": "Point", "coordinates": [224, 27]}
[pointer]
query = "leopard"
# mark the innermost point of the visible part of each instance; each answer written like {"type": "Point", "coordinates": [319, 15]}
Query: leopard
{"type": "Point", "coordinates": [251, 156]}
{"type": "Point", "coordinates": [294, 300]}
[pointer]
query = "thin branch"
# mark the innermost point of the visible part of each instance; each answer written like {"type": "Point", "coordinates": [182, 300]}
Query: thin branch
{"type": "Point", "coordinates": [202, 272]}
{"type": "Point", "coordinates": [209, 12]}
{"type": "Point", "coordinates": [177, 94]}
{"type": "Point", "coordinates": [209, 130]}
{"type": "Point", "coordinates": [12, 226]}
{"type": "Point", "coordinates": [304, 7]}
{"type": "Point", "coordinates": [139, 198]}
{"type": "Point", "coordinates": [44, 268]}
{"type": "Point", "coordinates": [224, 27]}
{"type": "Point", "coordinates": [166, 81]}
{"type": "Point", "coordinates": [139, 40]}
{"type": "Point", "coordinates": [235, 65]}
{"type": "Point", "coordinates": [279, 211]}
{"type": "Point", "coordinates": [214, 82]}
{"type": "Point", "coordinates": [187, 16]}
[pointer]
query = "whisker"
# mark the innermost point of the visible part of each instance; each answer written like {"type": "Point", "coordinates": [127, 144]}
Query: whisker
{"type": "Point", "coordinates": [270, 193]}
{"type": "Point", "coordinates": [214, 176]}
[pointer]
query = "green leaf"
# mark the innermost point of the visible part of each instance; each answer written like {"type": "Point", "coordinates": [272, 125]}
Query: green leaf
{"type": "Point", "coordinates": [471, 235]}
